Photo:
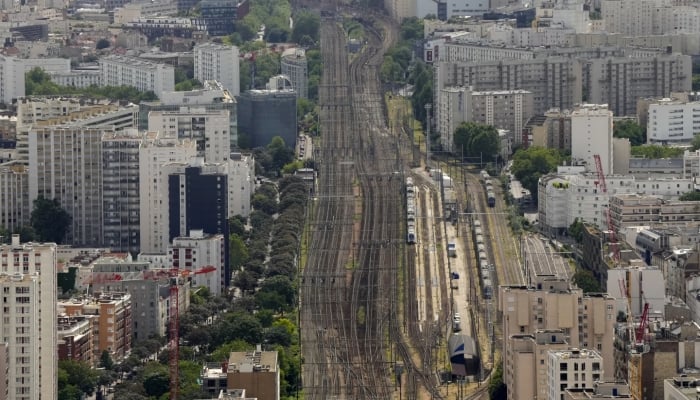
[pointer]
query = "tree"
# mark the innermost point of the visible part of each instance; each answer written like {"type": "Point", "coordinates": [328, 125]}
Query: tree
{"type": "Point", "coordinates": [695, 144]}
{"type": "Point", "coordinates": [49, 220]}
{"type": "Point", "coordinates": [102, 44]}
{"type": "Point", "coordinates": [657, 151]}
{"type": "Point", "coordinates": [478, 141]}
{"type": "Point", "coordinates": [497, 388]}
{"type": "Point", "coordinates": [106, 360]}
{"type": "Point", "coordinates": [77, 374]}
{"type": "Point", "coordinates": [245, 281]}
{"type": "Point", "coordinates": [157, 382]}
{"type": "Point", "coordinates": [237, 251]}
{"type": "Point", "coordinates": [576, 230]}
{"type": "Point", "coordinates": [631, 130]}
{"type": "Point", "coordinates": [530, 164]}
{"type": "Point", "coordinates": [280, 153]}
{"type": "Point", "coordinates": [690, 196]}
{"type": "Point", "coordinates": [585, 280]}
{"type": "Point", "coordinates": [306, 23]}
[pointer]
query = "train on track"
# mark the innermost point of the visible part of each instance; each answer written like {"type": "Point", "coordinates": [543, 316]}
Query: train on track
{"type": "Point", "coordinates": [410, 211]}
{"type": "Point", "coordinates": [482, 258]}
{"type": "Point", "coordinates": [488, 185]}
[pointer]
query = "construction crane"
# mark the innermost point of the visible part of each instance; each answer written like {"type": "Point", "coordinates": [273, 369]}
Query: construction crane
{"type": "Point", "coordinates": [642, 328]}
{"type": "Point", "coordinates": [173, 275]}
{"type": "Point", "coordinates": [608, 216]}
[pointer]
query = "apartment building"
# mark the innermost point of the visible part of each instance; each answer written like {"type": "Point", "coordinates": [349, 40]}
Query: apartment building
{"type": "Point", "coordinates": [135, 72]}
{"type": "Point", "coordinates": [580, 196]}
{"type": "Point", "coordinates": [120, 190]}
{"type": "Point", "coordinates": [553, 81]}
{"type": "Point", "coordinates": [637, 210]}
{"type": "Point", "coordinates": [212, 97]}
{"type": "Point", "coordinates": [572, 368]}
{"type": "Point", "coordinates": [241, 183]}
{"type": "Point", "coordinates": [294, 65]}
{"type": "Point", "coordinates": [254, 110]}
{"type": "Point", "coordinates": [672, 121]}
{"type": "Point", "coordinates": [681, 387]}
{"type": "Point", "coordinates": [215, 62]}
{"type": "Point", "coordinates": [14, 195]}
{"type": "Point", "coordinates": [155, 152]}
{"type": "Point", "coordinates": [591, 134]}
{"type": "Point", "coordinates": [526, 372]}
{"type": "Point", "coordinates": [620, 81]}
{"type": "Point", "coordinates": [29, 318]}
{"type": "Point", "coordinates": [600, 390]}
{"type": "Point", "coordinates": [207, 211]}
{"type": "Point", "coordinates": [111, 317]}
{"type": "Point", "coordinates": [255, 371]}
{"type": "Point", "coordinates": [475, 52]}
{"type": "Point", "coordinates": [65, 163]}
{"type": "Point", "coordinates": [75, 339]}
{"type": "Point", "coordinates": [650, 17]}
{"type": "Point", "coordinates": [507, 109]}
{"type": "Point", "coordinates": [587, 321]}
{"type": "Point", "coordinates": [552, 130]}
{"type": "Point", "coordinates": [203, 256]}
{"type": "Point", "coordinates": [209, 129]}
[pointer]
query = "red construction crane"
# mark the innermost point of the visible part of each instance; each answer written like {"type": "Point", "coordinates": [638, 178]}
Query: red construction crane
{"type": "Point", "coordinates": [641, 330]}
{"type": "Point", "coordinates": [611, 228]}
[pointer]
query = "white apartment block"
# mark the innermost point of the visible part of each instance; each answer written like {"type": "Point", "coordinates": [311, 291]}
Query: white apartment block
{"type": "Point", "coordinates": [29, 318]}
{"type": "Point", "coordinates": [209, 129]}
{"type": "Point", "coordinates": [572, 368]}
{"type": "Point", "coordinates": [586, 321]}
{"type": "Point", "coordinates": [566, 14]}
{"type": "Point", "coordinates": [155, 152]}
{"type": "Point", "coordinates": [580, 196]}
{"type": "Point", "coordinates": [241, 183]}
{"type": "Point", "coordinates": [77, 78]}
{"type": "Point", "coordinates": [120, 190]}
{"type": "Point", "coordinates": [138, 73]}
{"type": "Point", "coordinates": [65, 163]}
{"type": "Point", "coordinates": [198, 253]}
{"type": "Point", "coordinates": [214, 62]}
{"type": "Point", "coordinates": [14, 196]}
{"type": "Point", "coordinates": [672, 121]}
{"type": "Point", "coordinates": [474, 52]}
{"type": "Point", "coordinates": [644, 285]}
{"type": "Point", "coordinates": [12, 78]}
{"type": "Point", "coordinates": [507, 109]}
{"type": "Point", "coordinates": [591, 134]}
{"type": "Point", "coordinates": [649, 17]}
{"type": "Point", "coordinates": [531, 37]}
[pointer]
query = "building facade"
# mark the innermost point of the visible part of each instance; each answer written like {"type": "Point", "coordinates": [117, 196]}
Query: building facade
{"type": "Point", "coordinates": [65, 163]}
{"type": "Point", "coordinates": [202, 255]}
{"type": "Point", "coordinates": [138, 73]}
{"type": "Point", "coordinates": [264, 114]}
{"type": "Point", "coordinates": [214, 62]}
{"type": "Point", "coordinates": [592, 134]}
{"type": "Point", "coordinates": [75, 339]}
{"type": "Point", "coordinates": [572, 369]}
{"type": "Point", "coordinates": [29, 318]}
{"type": "Point", "coordinates": [255, 371]}
{"type": "Point", "coordinates": [120, 190]}
{"type": "Point", "coordinates": [155, 152]}
{"type": "Point", "coordinates": [14, 195]}
{"type": "Point", "coordinates": [294, 64]}
{"type": "Point", "coordinates": [672, 122]}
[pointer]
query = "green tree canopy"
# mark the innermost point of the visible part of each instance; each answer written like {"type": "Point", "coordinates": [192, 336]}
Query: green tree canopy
{"type": "Point", "coordinates": [690, 196]}
{"type": "Point", "coordinates": [530, 164]}
{"type": "Point", "coordinates": [695, 144]}
{"type": "Point", "coordinates": [306, 23]}
{"type": "Point", "coordinates": [576, 230]}
{"type": "Point", "coordinates": [631, 130]}
{"type": "Point", "coordinates": [585, 280]}
{"type": "Point", "coordinates": [49, 220]}
{"type": "Point", "coordinates": [657, 151]}
{"type": "Point", "coordinates": [102, 44]}
{"type": "Point", "coordinates": [477, 140]}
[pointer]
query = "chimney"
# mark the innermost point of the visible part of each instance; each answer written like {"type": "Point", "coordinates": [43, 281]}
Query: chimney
{"type": "Point", "coordinates": [15, 240]}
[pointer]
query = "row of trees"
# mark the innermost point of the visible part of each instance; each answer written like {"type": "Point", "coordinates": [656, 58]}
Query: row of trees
{"type": "Point", "coordinates": [531, 163]}
{"type": "Point", "coordinates": [477, 141]}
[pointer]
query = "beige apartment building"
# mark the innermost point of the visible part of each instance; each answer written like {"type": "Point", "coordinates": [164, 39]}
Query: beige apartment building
{"type": "Point", "coordinates": [586, 321]}
{"type": "Point", "coordinates": [111, 321]}
{"type": "Point", "coordinates": [526, 371]}
{"type": "Point", "coordinates": [634, 210]}
{"type": "Point", "coordinates": [255, 371]}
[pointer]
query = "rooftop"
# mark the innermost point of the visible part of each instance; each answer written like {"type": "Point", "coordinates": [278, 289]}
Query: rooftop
{"type": "Point", "coordinates": [253, 361]}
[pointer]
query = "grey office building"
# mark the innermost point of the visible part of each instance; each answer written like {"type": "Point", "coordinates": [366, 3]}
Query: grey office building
{"type": "Point", "coordinates": [264, 114]}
